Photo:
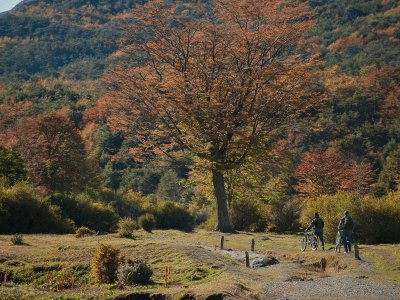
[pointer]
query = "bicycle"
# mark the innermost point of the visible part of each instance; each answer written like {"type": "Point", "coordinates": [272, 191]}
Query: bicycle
{"type": "Point", "coordinates": [339, 240]}
{"type": "Point", "coordinates": [309, 239]}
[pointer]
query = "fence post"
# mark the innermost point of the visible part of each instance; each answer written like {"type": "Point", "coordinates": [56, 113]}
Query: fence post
{"type": "Point", "coordinates": [247, 259]}
{"type": "Point", "coordinates": [167, 275]}
{"type": "Point", "coordinates": [222, 242]}
{"type": "Point", "coordinates": [323, 264]}
{"type": "Point", "coordinates": [253, 243]}
{"type": "Point", "coordinates": [356, 252]}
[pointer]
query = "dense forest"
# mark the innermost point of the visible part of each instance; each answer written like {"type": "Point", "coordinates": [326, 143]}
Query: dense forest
{"type": "Point", "coordinates": [70, 157]}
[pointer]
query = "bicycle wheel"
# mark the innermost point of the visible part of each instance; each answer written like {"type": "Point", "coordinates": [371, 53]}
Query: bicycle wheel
{"type": "Point", "coordinates": [313, 242]}
{"type": "Point", "coordinates": [303, 244]}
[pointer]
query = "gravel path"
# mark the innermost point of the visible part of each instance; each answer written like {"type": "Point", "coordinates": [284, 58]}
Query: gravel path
{"type": "Point", "coordinates": [344, 287]}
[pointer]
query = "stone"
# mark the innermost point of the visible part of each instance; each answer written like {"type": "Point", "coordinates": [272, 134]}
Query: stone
{"type": "Point", "coordinates": [264, 262]}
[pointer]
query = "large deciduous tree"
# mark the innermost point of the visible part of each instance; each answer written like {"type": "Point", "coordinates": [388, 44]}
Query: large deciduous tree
{"type": "Point", "coordinates": [216, 80]}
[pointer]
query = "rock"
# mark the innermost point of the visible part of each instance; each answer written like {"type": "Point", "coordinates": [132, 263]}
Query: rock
{"type": "Point", "coordinates": [264, 262]}
{"type": "Point", "coordinates": [216, 297]}
{"type": "Point", "coordinates": [142, 296]}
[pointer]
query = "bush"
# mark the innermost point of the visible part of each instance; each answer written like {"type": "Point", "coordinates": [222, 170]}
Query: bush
{"type": "Point", "coordinates": [24, 211]}
{"type": "Point", "coordinates": [85, 212]}
{"type": "Point", "coordinates": [17, 239]}
{"type": "Point", "coordinates": [126, 226]}
{"type": "Point", "coordinates": [171, 215]}
{"type": "Point", "coordinates": [246, 214]}
{"type": "Point", "coordinates": [147, 222]}
{"type": "Point", "coordinates": [201, 213]}
{"type": "Point", "coordinates": [124, 203]}
{"type": "Point", "coordinates": [331, 209]}
{"type": "Point", "coordinates": [105, 264]}
{"type": "Point", "coordinates": [84, 231]}
{"type": "Point", "coordinates": [284, 215]}
{"type": "Point", "coordinates": [376, 219]}
{"type": "Point", "coordinates": [135, 271]}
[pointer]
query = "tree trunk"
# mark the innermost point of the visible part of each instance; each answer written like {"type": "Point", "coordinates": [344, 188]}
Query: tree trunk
{"type": "Point", "coordinates": [223, 223]}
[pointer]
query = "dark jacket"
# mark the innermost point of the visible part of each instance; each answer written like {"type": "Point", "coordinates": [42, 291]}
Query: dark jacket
{"type": "Point", "coordinates": [347, 224]}
{"type": "Point", "coordinates": [317, 224]}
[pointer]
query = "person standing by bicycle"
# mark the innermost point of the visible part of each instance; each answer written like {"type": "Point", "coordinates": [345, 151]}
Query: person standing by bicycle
{"type": "Point", "coordinates": [346, 225]}
{"type": "Point", "coordinates": [317, 224]}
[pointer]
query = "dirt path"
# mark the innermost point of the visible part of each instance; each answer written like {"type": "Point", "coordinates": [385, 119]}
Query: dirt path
{"type": "Point", "coordinates": [340, 287]}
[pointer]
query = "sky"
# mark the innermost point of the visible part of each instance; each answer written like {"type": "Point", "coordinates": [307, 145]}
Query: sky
{"type": "Point", "coordinates": [8, 4]}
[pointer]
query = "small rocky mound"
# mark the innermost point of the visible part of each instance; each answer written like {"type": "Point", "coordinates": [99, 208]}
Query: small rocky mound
{"type": "Point", "coordinates": [264, 262]}
{"type": "Point", "coordinates": [142, 296]}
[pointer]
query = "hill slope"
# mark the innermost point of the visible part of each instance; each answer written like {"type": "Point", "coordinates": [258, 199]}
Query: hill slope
{"type": "Point", "coordinates": [74, 39]}
{"type": "Point", "coordinates": [54, 37]}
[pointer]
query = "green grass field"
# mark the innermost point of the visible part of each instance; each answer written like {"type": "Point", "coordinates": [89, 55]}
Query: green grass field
{"type": "Point", "coordinates": [58, 266]}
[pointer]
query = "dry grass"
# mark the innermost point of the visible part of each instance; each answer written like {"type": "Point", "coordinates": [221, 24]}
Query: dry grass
{"type": "Point", "coordinates": [55, 265]}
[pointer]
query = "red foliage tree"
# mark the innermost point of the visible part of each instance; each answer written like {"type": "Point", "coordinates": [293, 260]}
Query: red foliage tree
{"type": "Point", "coordinates": [326, 172]}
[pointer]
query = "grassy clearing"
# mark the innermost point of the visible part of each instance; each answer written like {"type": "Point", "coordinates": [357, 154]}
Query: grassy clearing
{"type": "Point", "coordinates": [56, 266]}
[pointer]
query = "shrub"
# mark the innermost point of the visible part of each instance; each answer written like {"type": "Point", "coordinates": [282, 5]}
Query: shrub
{"type": "Point", "coordinates": [147, 222]}
{"type": "Point", "coordinates": [209, 225]}
{"type": "Point", "coordinates": [84, 231]}
{"type": "Point", "coordinates": [284, 215]}
{"type": "Point", "coordinates": [201, 213]}
{"type": "Point", "coordinates": [331, 209]}
{"type": "Point", "coordinates": [135, 271]}
{"type": "Point", "coordinates": [124, 203]}
{"type": "Point", "coordinates": [126, 226]}
{"type": "Point", "coordinates": [282, 211]}
{"type": "Point", "coordinates": [376, 219]}
{"type": "Point", "coordinates": [105, 264]}
{"type": "Point", "coordinates": [86, 212]}
{"type": "Point", "coordinates": [17, 239]}
{"type": "Point", "coordinates": [245, 213]}
{"type": "Point", "coordinates": [171, 215]}
{"type": "Point", "coordinates": [24, 211]}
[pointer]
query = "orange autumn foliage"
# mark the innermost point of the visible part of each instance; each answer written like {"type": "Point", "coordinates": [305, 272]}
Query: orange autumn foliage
{"type": "Point", "coordinates": [217, 84]}
{"type": "Point", "coordinates": [325, 173]}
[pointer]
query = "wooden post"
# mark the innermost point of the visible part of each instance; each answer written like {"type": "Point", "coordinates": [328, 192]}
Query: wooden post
{"type": "Point", "coordinates": [356, 252]}
{"type": "Point", "coordinates": [323, 264]}
{"type": "Point", "coordinates": [253, 243]}
{"type": "Point", "coordinates": [167, 275]}
{"type": "Point", "coordinates": [72, 282]}
{"type": "Point", "coordinates": [247, 259]}
{"type": "Point", "coordinates": [222, 242]}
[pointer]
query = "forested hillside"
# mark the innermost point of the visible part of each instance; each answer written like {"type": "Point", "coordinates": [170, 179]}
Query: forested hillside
{"type": "Point", "coordinates": [75, 39]}
{"type": "Point", "coordinates": [61, 144]}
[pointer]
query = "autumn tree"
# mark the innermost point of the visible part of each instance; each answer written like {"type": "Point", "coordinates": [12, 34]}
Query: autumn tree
{"type": "Point", "coordinates": [54, 153]}
{"type": "Point", "coordinates": [324, 173]}
{"type": "Point", "coordinates": [217, 82]}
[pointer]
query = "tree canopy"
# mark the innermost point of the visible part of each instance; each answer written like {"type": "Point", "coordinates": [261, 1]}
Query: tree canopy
{"type": "Point", "coordinates": [218, 84]}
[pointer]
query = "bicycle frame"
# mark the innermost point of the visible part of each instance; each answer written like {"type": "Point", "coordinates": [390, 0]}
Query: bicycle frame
{"type": "Point", "coordinates": [309, 239]}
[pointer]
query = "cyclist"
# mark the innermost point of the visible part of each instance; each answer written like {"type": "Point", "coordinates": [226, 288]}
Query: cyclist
{"type": "Point", "coordinates": [317, 224]}
{"type": "Point", "coordinates": [346, 225]}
